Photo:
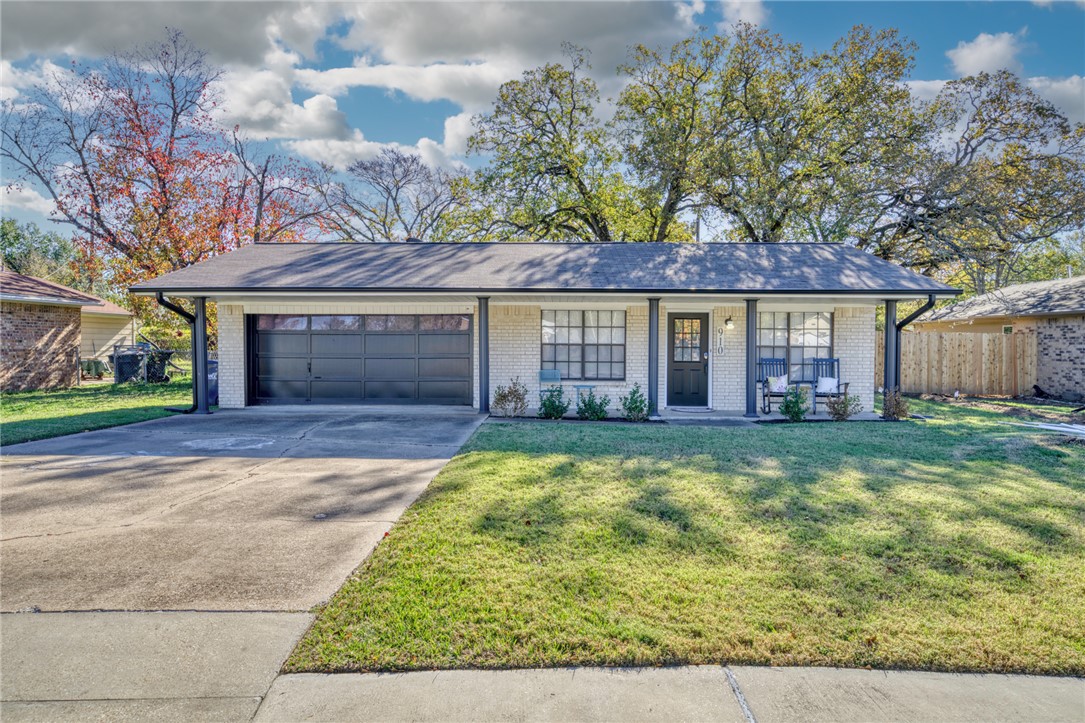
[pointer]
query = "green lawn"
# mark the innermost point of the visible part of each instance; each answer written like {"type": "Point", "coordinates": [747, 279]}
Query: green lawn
{"type": "Point", "coordinates": [25, 416]}
{"type": "Point", "coordinates": [951, 544]}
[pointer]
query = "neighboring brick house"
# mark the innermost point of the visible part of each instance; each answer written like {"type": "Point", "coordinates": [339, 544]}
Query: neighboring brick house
{"type": "Point", "coordinates": [42, 331]}
{"type": "Point", "coordinates": [447, 323]}
{"type": "Point", "coordinates": [1052, 310]}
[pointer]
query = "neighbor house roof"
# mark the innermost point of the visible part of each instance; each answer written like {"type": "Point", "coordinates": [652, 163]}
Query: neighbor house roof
{"type": "Point", "coordinates": [32, 290]}
{"type": "Point", "coordinates": [546, 267]}
{"type": "Point", "coordinates": [1039, 298]}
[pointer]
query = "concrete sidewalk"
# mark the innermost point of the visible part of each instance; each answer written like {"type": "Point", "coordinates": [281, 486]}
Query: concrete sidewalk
{"type": "Point", "coordinates": [182, 666]}
{"type": "Point", "coordinates": [701, 693]}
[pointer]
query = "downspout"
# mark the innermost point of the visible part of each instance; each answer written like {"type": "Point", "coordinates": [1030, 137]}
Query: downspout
{"type": "Point", "coordinates": [166, 303]}
{"type": "Point", "coordinates": [900, 327]}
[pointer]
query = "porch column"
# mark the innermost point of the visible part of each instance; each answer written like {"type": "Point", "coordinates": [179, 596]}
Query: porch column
{"type": "Point", "coordinates": [199, 356]}
{"type": "Point", "coordinates": [890, 375]}
{"type": "Point", "coordinates": [653, 356]}
{"type": "Point", "coordinates": [484, 354]}
{"type": "Point", "coordinates": [751, 358]}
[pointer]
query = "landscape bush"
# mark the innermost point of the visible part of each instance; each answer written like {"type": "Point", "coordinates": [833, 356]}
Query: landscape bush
{"type": "Point", "coordinates": [842, 407]}
{"type": "Point", "coordinates": [591, 407]}
{"type": "Point", "coordinates": [510, 401]}
{"type": "Point", "coordinates": [895, 406]}
{"type": "Point", "coordinates": [553, 404]}
{"type": "Point", "coordinates": [794, 405]}
{"type": "Point", "coordinates": [635, 405]}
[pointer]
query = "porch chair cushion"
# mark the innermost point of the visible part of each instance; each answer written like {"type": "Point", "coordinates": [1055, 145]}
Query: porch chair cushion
{"type": "Point", "coordinates": [828, 385]}
{"type": "Point", "coordinates": [778, 385]}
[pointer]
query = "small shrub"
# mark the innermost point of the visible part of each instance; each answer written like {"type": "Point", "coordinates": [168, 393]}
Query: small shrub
{"type": "Point", "coordinates": [592, 407]}
{"type": "Point", "coordinates": [635, 405]}
{"type": "Point", "coordinates": [794, 405]}
{"type": "Point", "coordinates": [510, 401]}
{"type": "Point", "coordinates": [553, 404]}
{"type": "Point", "coordinates": [842, 407]}
{"type": "Point", "coordinates": [894, 406]}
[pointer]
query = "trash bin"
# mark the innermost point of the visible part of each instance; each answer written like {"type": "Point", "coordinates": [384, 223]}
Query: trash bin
{"type": "Point", "coordinates": [127, 363]}
{"type": "Point", "coordinates": [212, 382]}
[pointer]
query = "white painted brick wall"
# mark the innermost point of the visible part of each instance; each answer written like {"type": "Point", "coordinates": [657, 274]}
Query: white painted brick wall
{"type": "Point", "coordinates": [854, 337]}
{"type": "Point", "coordinates": [516, 351]}
{"type": "Point", "coordinates": [515, 348]}
{"type": "Point", "coordinates": [231, 349]}
{"type": "Point", "coordinates": [729, 369]}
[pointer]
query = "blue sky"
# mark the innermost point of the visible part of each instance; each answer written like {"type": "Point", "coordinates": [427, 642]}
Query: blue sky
{"type": "Point", "coordinates": [337, 81]}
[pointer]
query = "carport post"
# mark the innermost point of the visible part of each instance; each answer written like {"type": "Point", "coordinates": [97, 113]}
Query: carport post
{"type": "Point", "coordinates": [892, 352]}
{"type": "Point", "coordinates": [199, 356]}
{"type": "Point", "coordinates": [751, 358]}
{"type": "Point", "coordinates": [484, 354]}
{"type": "Point", "coordinates": [653, 356]}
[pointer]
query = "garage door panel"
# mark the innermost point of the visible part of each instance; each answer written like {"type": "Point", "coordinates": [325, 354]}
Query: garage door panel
{"type": "Point", "coordinates": [386, 344]}
{"type": "Point", "coordinates": [336, 367]}
{"type": "Point", "coordinates": [283, 367]}
{"type": "Point", "coordinates": [337, 344]}
{"type": "Point", "coordinates": [390, 368]}
{"type": "Point", "coordinates": [444, 344]}
{"type": "Point", "coordinates": [443, 368]}
{"type": "Point", "coordinates": [391, 390]}
{"type": "Point", "coordinates": [271, 343]}
{"type": "Point", "coordinates": [358, 358]}
{"type": "Point", "coordinates": [282, 390]}
{"type": "Point", "coordinates": [444, 390]}
{"type": "Point", "coordinates": [335, 390]}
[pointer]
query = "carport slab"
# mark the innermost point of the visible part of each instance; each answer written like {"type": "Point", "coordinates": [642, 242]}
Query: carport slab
{"type": "Point", "coordinates": [125, 656]}
{"type": "Point", "coordinates": [644, 694]}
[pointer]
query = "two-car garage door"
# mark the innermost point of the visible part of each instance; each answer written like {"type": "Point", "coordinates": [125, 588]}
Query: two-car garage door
{"type": "Point", "coordinates": [374, 358]}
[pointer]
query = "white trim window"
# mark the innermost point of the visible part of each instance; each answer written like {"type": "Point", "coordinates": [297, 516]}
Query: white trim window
{"type": "Point", "coordinates": [584, 344]}
{"type": "Point", "coordinates": [798, 337]}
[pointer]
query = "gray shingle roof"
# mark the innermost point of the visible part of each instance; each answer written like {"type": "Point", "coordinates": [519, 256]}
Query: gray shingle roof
{"type": "Point", "coordinates": [1039, 298]}
{"type": "Point", "coordinates": [550, 267]}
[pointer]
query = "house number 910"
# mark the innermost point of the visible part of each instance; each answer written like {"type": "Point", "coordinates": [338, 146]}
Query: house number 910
{"type": "Point", "coordinates": [719, 341]}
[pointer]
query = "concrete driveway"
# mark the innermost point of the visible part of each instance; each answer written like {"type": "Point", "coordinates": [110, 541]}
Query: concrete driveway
{"type": "Point", "coordinates": [256, 509]}
{"type": "Point", "coordinates": [205, 540]}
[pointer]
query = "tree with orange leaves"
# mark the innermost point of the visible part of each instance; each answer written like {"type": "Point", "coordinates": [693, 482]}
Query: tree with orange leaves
{"type": "Point", "coordinates": [134, 161]}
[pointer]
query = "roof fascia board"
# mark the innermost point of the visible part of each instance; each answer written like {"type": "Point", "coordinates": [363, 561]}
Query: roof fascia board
{"type": "Point", "coordinates": [45, 301]}
{"type": "Point", "coordinates": [736, 293]}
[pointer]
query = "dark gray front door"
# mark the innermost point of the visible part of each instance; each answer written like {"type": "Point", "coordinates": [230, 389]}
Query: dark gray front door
{"type": "Point", "coordinates": [687, 360]}
{"type": "Point", "coordinates": [377, 358]}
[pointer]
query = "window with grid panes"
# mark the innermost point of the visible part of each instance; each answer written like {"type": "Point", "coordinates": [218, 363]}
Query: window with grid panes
{"type": "Point", "coordinates": [797, 336]}
{"type": "Point", "coordinates": [584, 344]}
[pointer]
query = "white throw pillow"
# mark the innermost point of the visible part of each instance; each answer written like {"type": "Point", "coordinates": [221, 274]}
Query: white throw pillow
{"type": "Point", "coordinates": [778, 385]}
{"type": "Point", "coordinates": [828, 385]}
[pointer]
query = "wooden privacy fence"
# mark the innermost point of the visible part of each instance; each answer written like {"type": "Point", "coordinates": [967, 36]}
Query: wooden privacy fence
{"type": "Point", "coordinates": [938, 362]}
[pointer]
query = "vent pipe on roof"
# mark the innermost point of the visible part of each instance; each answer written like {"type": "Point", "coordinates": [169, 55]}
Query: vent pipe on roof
{"type": "Point", "coordinates": [413, 240]}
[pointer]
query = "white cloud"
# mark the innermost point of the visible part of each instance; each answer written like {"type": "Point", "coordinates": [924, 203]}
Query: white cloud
{"type": "Point", "coordinates": [926, 90]}
{"type": "Point", "coordinates": [988, 53]}
{"type": "Point", "coordinates": [458, 129]}
{"type": "Point", "coordinates": [261, 103]}
{"type": "Point", "coordinates": [25, 197]}
{"type": "Point", "coordinates": [473, 86]}
{"type": "Point", "coordinates": [1067, 94]}
{"type": "Point", "coordinates": [1051, 3]}
{"type": "Point", "coordinates": [336, 153]}
{"type": "Point", "coordinates": [232, 32]}
{"type": "Point", "coordinates": [742, 11]}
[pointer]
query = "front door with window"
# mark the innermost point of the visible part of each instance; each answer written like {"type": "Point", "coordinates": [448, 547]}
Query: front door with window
{"type": "Point", "coordinates": [687, 360]}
